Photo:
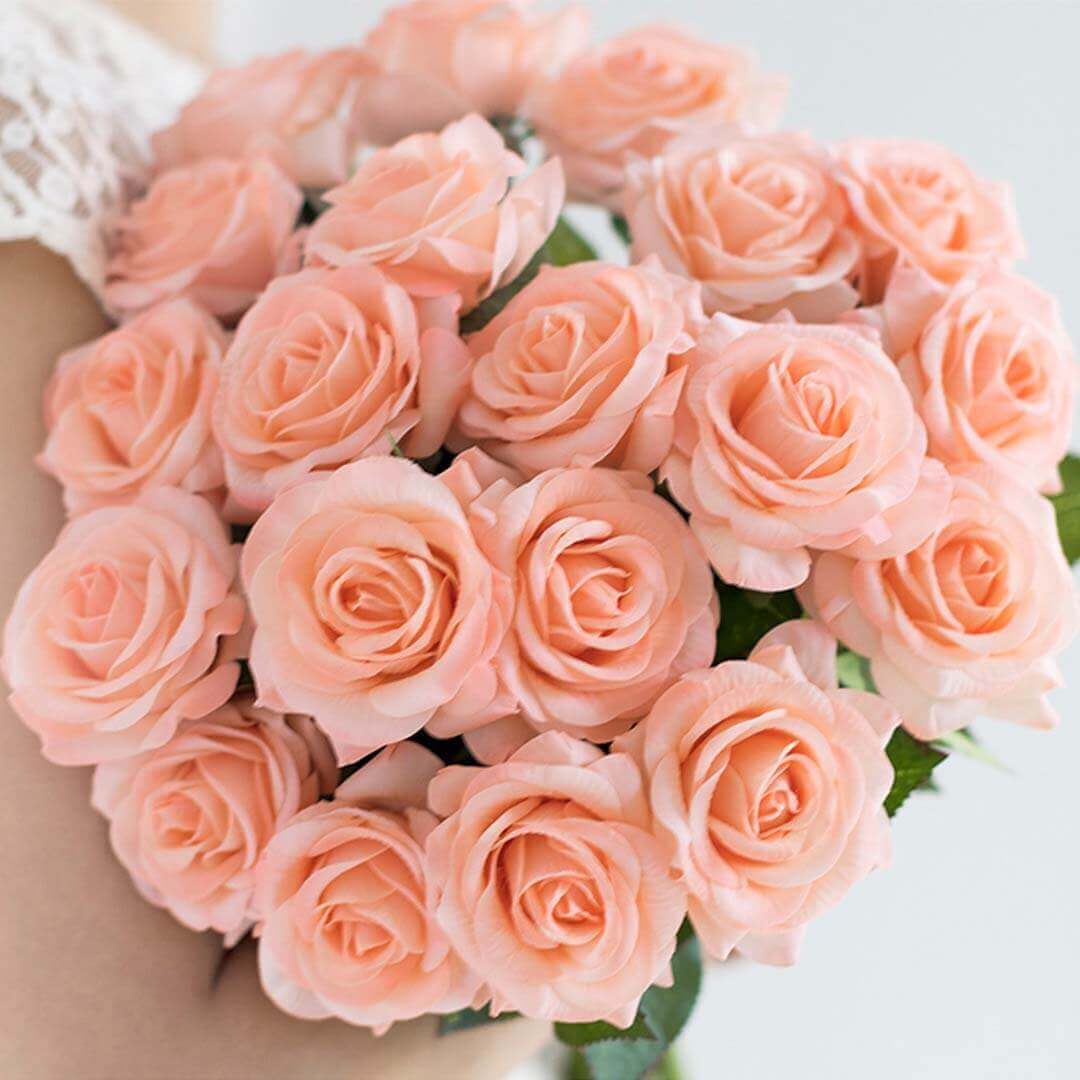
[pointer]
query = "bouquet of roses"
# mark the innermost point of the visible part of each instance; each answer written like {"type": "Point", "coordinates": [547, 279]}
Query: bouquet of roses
{"type": "Point", "coordinates": [459, 613]}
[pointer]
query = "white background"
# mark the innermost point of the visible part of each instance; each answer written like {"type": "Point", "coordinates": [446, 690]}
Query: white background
{"type": "Point", "coordinates": [962, 960]}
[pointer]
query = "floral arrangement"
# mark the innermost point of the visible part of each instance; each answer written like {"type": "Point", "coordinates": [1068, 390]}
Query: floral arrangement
{"type": "Point", "coordinates": [489, 628]}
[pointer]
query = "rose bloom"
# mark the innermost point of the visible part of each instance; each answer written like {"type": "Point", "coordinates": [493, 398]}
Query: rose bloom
{"type": "Point", "coordinates": [582, 367]}
{"type": "Point", "coordinates": [550, 882]}
{"type": "Point", "coordinates": [348, 919]}
{"type": "Point", "coordinates": [329, 366]}
{"type": "Point", "coordinates": [760, 221]}
{"type": "Point", "coordinates": [614, 596]}
{"type": "Point", "coordinates": [299, 108]}
{"type": "Point", "coordinates": [441, 59]}
{"type": "Point", "coordinates": [131, 410]}
{"type": "Point", "coordinates": [766, 784]}
{"type": "Point", "coordinates": [630, 96]}
{"type": "Point", "coordinates": [968, 624]}
{"type": "Point", "coordinates": [215, 232]}
{"type": "Point", "coordinates": [797, 437]}
{"type": "Point", "coordinates": [918, 204]}
{"type": "Point", "coordinates": [374, 608]}
{"type": "Point", "coordinates": [438, 214]}
{"type": "Point", "coordinates": [190, 819]}
{"type": "Point", "coordinates": [113, 639]}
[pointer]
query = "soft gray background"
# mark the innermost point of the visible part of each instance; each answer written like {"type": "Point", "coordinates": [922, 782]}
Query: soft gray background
{"type": "Point", "coordinates": [961, 961]}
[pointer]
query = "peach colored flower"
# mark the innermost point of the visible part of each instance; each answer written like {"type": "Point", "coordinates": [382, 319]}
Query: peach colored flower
{"type": "Point", "coordinates": [614, 596]}
{"type": "Point", "coordinates": [797, 437]}
{"type": "Point", "coordinates": [437, 213]}
{"type": "Point", "coordinates": [766, 785]}
{"type": "Point", "coordinates": [190, 819]}
{"type": "Point", "coordinates": [347, 905]}
{"type": "Point", "coordinates": [968, 624]}
{"type": "Point", "coordinates": [131, 410]}
{"type": "Point", "coordinates": [441, 59]}
{"type": "Point", "coordinates": [329, 366]}
{"type": "Point", "coordinates": [760, 221]}
{"type": "Point", "coordinates": [916, 203]}
{"type": "Point", "coordinates": [374, 608]}
{"type": "Point", "coordinates": [215, 232]}
{"type": "Point", "coordinates": [113, 638]}
{"type": "Point", "coordinates": [550, 882]}
{"type": "Point", "coordinates": [301, 109]}
{"type": "Point", "coordinates": [582, 367]}
{"type": "Point", "coordinates": [628, 97]}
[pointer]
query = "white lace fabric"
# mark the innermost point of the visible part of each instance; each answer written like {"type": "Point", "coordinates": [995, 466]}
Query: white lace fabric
{"type": "Point", "coordinates": [81, 91]}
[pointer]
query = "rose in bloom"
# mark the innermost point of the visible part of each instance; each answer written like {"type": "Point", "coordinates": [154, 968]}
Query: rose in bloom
{"type": "Point", "coordinates": [441, 59]}
{"type": "Point", "coordinates": [797, 437]}
{"type": "Point", "coordinates": [190, 819]}
{"type": "Point", "coordinates": [582, 367]}
{"type": "Point", "coordinates": [632, 95]}
{"type": "Point", "coordinates": [550, 882]}
{"type": "Point", "coordinates": [766, 785]}
{"type": "Point", "coordinates": [968, 624]}
{"type": "Point", "coordinates": [344, 894]}
{"type": "Point", "coordinates": [216, 232]}
{"type": "Point", "coordinates": [438, 214]}
{"type": "Point", "coordinates": [918, 204]}
{"type": "Point", "coordinates": [331, 365]}
{"type": "Point", "coordinates": [131, 410]}
{"type": "Point", "coordinates": [113, 639]}
{"type": "Point", "coordinates": [760, 221]}
{"type": "Point", "coordinates": [299, 108]}
{"type": "Point", "coordinates": [374, 608]}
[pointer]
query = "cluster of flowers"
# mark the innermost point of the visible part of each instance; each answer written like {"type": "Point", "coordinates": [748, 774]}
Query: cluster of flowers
{"type": "Point", "coordinates": [817, 372]}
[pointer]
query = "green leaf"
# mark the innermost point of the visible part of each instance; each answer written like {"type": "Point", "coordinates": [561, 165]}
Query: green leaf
{"type": "Point", "coordinates": [853, 671]}
{"type": "Point", "coordinates": [621, 227]}
{"type": "Point", "coordinates": [464, 1019]}
{"type": "Point", "coordinates": [963, 742]}
{"type": "Point", "coordinates": [566, 245]}
{"type": "Point", "coordinates": [746, 616]}
{"type": "Point", "coordinates": [913, 763]}
{"type": "Point", "coordinates": [1067, 507]}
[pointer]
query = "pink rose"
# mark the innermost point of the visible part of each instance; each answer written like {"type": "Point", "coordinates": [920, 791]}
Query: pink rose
{"type": "Point", "coordinates": [374, 608]}
{"type": "Point", "coordinates": [628, 97]}
{"type": "Point", "coordinates": [299, 108]}
{"type": "Point", "coordinates": [215, 232]}
{"type": "Point", "coordinates": [190, 819]}
{"type": "Point", "coordinates": [550, 882]}
{"type": "Point", "coordinates": [437, 213]}
{"type": "Point", "coordinates": [797, 437]}
{"type": "Point", "coordinates": [131, 410]}
{"type": "Point", "coordinates": [113, 638]}
{"type": "Point", "coordinates": [916, 203]}
{"type": "Point", "coordinates": [968, 624]}
{"type": "Point", "coordinates": [760, 221]}
{"type": "Point", "coordinates": [766, 784]}
{"type": "Point", "coordinates": [582, 367]}
{"type": "Point", "coordinates": [330, 366]}
{"type": "Point", "coordinates": [441, 59]}
{"type": "Point", "coordinates": [614, 596]}
{"type": "Point", "coordinates": [347, 905]}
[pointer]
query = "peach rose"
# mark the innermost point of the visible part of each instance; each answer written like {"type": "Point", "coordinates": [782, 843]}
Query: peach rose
{"type": "Point", "coordinates": [131, 410]}
{"type": "Point", "coordinates": [113, 638]}
{"type": "Point", "coordinates": [916, 203]}
{"type": "Point", "coordinates": [438, 214]}
{"type": "Point", "coordinates": [582, 367]}
{"type": "Point", "coordinates": [628, 97]}
{"type": "Point", "coordinates": [766, 785]}
{"type": "Point", "coordinates": [550, 882]}
{"type": "Point", "coordinates": [215, 232]}
{"type": "Point", "coordinates": [374, 608]}
{"type": "Point", "coordinates": [797, 437]}
{"type": "Point", "coordinates": [614, 596]}
{"type": "Point", "coordinates": [299, 108]}
{"type": "Point", "coordinates": [190, 819]}
{"type": "Point", "coordinates": [441, 59]}
{"type": "Point", "coordinates": [760, 221]}
{"type": "Point", "coordinates": [329, 366]}
{"type": "Point", "coordinates": [348, 916]}
{"type": "Point", "coordinates": [968, 624]}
